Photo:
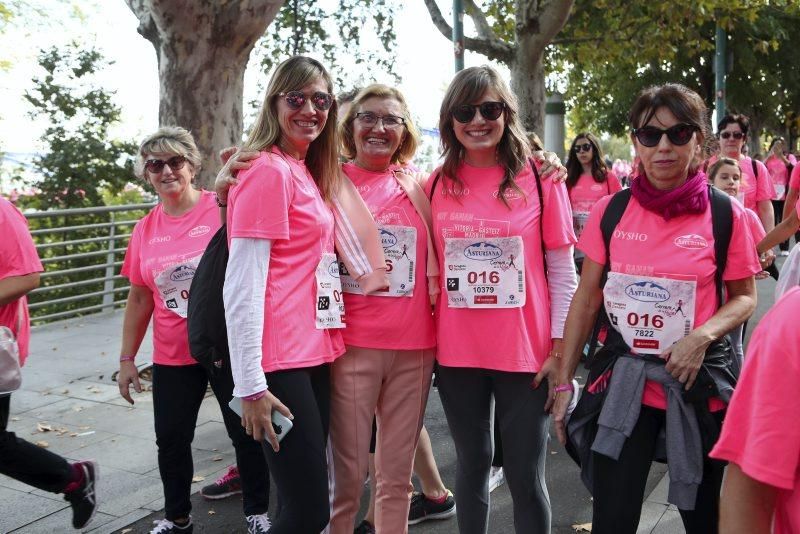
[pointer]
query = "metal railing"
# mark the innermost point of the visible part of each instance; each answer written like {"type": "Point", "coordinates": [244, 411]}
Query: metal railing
{"type": "Point", "coordinates": [82, 251]}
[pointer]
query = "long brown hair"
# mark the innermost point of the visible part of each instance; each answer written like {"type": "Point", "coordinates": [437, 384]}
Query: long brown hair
{"type": "Point", "coordinates": [322, 158]}
{"type": "Point", "coordinates": [575, 167]}
{"type": "Point", "coordinates": [513, 150]}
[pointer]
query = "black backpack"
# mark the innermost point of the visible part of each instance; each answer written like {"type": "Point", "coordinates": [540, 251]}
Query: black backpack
{"type": "Point", "coordinates": [208, 335]}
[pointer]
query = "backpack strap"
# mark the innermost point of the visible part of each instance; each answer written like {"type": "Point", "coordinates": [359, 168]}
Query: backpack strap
{"type": "Point", "coordinates": [433, 186]}
{"type": "Point", "coordinates": [611, 217]}
{"type": "Point", "coordinates": [538, 180]}
{"type": "Point", "coordinates": [755, 168]}
{"type": "Point", "coordinates": [722, 228]}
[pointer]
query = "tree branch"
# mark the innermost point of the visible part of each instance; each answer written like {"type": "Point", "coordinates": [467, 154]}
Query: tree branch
{"type": "Point", "coordinates": [481, 24]}
{"type": "Point", "coordinates": [147, 25]}
{"type": "Point", "coordinates": [492, 49]}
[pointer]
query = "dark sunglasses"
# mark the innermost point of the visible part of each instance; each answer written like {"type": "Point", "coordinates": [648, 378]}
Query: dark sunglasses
{"type": "Point", "coordinates": [728, 135]}
{"type": "Point", "coordinates": [155, 166]}
{"type": "Point", "coordinates": [583, 147]}
{"type": "Point", "coordinates": [297, 99]}
{"type": "Point", "coordinates": [490, 111]}
{"type": "Point", "coordinates": [678, 135]}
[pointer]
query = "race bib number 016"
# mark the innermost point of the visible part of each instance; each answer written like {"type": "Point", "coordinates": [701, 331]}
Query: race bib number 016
{"type": "Point", "coordinates": [485, 273]}
{"type": "Point", "coordinates": [400, 250]}
{"type": "Point", "coordinates": [650, 313]}
{"type": "Point", "coordinates": [173, 285]}
{"type": "Point", "coordinates": [330, 306]}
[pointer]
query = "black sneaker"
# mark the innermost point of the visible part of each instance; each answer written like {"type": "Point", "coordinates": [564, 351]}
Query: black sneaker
{"type": "Point", "coordinates": [84, 499]}
{"type": "Point", "coordinates": [165, 526]}
{"type": "Point", "coordinates": [225, 486]}
{"type": "Point", "coordinates": [365, 527]}
{"type": "Point", "coordinates": [423, 508]}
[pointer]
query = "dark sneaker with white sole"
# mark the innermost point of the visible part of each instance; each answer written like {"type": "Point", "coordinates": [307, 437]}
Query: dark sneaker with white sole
{"type": "Point", "coordinates": [83, 500]}
{"type": "Point", "coordinates": [225, 486]}
{"type": "Point", "coordinates": [423, 508]}
{"type": "Point", "coordinates": [165, 526]}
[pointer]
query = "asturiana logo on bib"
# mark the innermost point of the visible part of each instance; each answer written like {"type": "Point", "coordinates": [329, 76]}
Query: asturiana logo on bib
{"type": "Point", "coordinates": [333, 269]}
{"type": "Point", "coordinates": [647, 291]}
{"type": "Point", "coordinates": [388, 239]}
{"type": "Point", "coordinates": [183, 272]}
{"type": "Point", "coordinates": [691, 241]}
{"type": "Point", "coordinates": [483, 251]}
{"type": "Point", "coordinates": [199, 230]}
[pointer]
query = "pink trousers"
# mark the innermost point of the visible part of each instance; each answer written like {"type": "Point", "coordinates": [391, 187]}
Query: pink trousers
{"type": "Point", "coordinates": [392, 385]}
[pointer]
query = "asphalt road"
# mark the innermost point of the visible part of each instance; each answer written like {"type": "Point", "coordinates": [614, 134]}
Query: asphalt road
{"type": "Point", "coordinates": [570, 500]}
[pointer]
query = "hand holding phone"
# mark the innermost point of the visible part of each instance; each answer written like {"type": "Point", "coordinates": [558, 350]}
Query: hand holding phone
{"type": "Point", "coordinates": [254, 418]}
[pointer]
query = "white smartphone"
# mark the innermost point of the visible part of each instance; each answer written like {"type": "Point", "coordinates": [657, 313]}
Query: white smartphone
{"type": "Point", "coordinates": [280, 423]}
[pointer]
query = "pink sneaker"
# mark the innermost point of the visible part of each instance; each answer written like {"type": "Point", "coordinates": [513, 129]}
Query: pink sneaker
{"type": "Point", "coordinates": [225, 486]}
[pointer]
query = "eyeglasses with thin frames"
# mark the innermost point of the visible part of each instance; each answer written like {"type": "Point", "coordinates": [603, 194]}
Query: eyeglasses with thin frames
{"type": "Point", "coordinates": [368, 118]}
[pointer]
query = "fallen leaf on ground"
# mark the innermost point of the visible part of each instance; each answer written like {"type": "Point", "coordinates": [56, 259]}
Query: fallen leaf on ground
{"type": "Point", "coordinates": [126, 530]}
{"type": "Point", "coordinates": [583, 527]}
{"type": "Point", "coordinates": [198, 478]}
{"type": "Point", "coordinates": [211, 512]}
{"type": "Point", "coordinates": [15, 418]}
{"type": "Point", "coordinates": [84, 427]}
{"type": "Point", "coordinates": [44, 427]}
{"type": "Point", "coordinates": [217, 459]}
{"type": "Point", "coordinates": [42, 444]}
{"type": "Point", "coordinates": [64, 392]}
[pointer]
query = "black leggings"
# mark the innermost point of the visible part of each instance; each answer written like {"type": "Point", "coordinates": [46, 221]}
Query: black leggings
{"type": "Point", "coordinates": [24, 461]}
{"type": "Point", "coordinates": [619, 485]}
{"type": "Point", "coordinates": [300, 468]}
{"type": "Point", "coordinates": [178, 392]}
{"type": "Point", "coordinates": [777, 207]}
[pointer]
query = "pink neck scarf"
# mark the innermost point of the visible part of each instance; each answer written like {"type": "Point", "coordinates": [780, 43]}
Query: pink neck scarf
{"type": "Point", "coordinates": [691, 197]}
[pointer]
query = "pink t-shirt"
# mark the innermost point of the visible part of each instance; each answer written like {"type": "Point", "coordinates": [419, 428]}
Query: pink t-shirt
{"type": "Point", "coordinates": [779, 173]}
{"type": "Point", "coordinates": [18, 257]}
{"type": "Point", "coordinates": [585, 194]}
{"type": "Point", "coordinates": [504, 339]}
{"type": "Point", "coordinates": [754, 190]}
{"type": "Point", "coordinates": [794, 178]}
{"type": "Point", "coordinates": [760, 433]}
{"type": "Point", "coordinates": [683, 247]}
{"type": "Point", "coordinates": [162, 255]}
{"type": "Point", "coordinates": [382, 322]}
{"type": "Point", "coordinates": [756, 228]}
{"type": "Point", "coordinates": [277, 199]}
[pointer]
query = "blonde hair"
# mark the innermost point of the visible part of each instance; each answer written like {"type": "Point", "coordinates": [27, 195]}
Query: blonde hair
{"type": "Point", "coordinates": [167, 140]}
{"type": "Point", "coordinates": [322, 158]}
{"type": "Point", "coordinates": [513, 150]}
{"type": "Point", "coordinates": [411, 140]}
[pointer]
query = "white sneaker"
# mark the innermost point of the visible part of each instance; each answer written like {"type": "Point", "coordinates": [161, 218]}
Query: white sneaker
{"type": "Point", "coordinates": [258, 524]}
{"type": "Point", "coordinates": [496, 478]}
{"type": "Point", "coordinates": [784, 253]}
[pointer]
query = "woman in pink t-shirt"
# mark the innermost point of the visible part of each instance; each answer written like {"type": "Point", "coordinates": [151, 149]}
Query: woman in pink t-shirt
{"type": "Point", "coordinates": [761, 437]}
{"type": "Point", "coordinates": [282, 292]}
{"type": "Point", "coordinates": [588, 180]}
{"type": "Point", "coordinates": [499, 318]}
{"type": "Point", "coordinates": [779, 167]}
{"type": "Point", "coordinates": [164, 251]}
{"type": "Point", "coordinates": [658, 281]}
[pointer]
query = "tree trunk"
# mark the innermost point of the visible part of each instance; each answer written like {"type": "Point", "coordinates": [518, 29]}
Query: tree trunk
{"type": "Point", "coordinates": [202, 48]}
{"type": "Point", "coordinates": [527, 82]}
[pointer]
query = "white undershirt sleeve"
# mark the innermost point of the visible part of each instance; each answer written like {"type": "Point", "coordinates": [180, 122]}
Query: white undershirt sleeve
{"type": "Point", "coordinates": [562, 281]}
{"type": "Point", "coordinates": [243, 295]}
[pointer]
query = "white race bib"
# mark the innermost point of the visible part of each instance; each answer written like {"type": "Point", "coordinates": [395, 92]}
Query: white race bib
{"type": "Point", "coordinates": [173, 285]}
{"type": "Point", "coordinates": [579, 219]}
{"type": "Point", "coordinates": [400, 250]}
{"type": "Point", "coordinates": [650, 313]}
{"type": "Point", "coordinates": [330, 306]}
{"type": "Point", "coordinates": [485, 272]}
{"type": "Point", "coordinates": [780, 191]}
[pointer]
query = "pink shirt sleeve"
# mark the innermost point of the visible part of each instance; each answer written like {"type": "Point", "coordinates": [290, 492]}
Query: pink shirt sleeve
{"type": "Point", "coordinates": [261, 201]}
{"type": "Point", "coordinates": [742, 256]}
{"type": "Point", "coordinates": [591, 241]}
{"type": "Point", "coordinates": [759, 434]}
{"type": "Point", "coordinates": [613, 182]}
{"type": "Point", "coordinates": [766, 189]}
{"type": "Point", "coordinates": [18, 255]}
{"type": "Point", "coordinates": [556, 216]}
{"type": "Point", "coordinates": [754, 223]}
{"type": "Point", "coordinates": [131, 265]}
{"type": "Point", "coordinates": [794, 179]}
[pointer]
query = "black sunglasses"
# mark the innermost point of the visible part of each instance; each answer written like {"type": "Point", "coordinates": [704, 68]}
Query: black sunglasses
{"type": "Point", "coordinates": [297, 99]}
{"type": "Point", "coordinates": [490, 111]}
{"type": "Point", "coordinates": [728, 135]}
{"type": "Point", "coordinates": [155, 166]}
{"type": "Point", "coordinates": [678, 135]}
{"type": "Point", "coordinates": [583, 147]}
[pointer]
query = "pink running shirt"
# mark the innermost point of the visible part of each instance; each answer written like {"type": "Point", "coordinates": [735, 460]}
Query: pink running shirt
{"type": "Point", "coordinates": [380, 322]}
{"type": "Point", "coordinates": [754, 190]}
{"type": "Point", "coordinates": [794, 178]}
{"type": "Point", "coordinates": [18, 257]}
{"type": "Point", "coordinates": [760, 433]}
{"type": "Point", "coordinates": [162, 255]}
{"type": "Point", "coordinates": [503, 339]}
{"type": "Point", "coordinates": [756, 228]}
{"type": "Point", "coordinates": [644, 244]}
{"type": "Point", "coordinates": [586, 192]}
{"type": "Point", "coordinates": [277, 199]}
{"type": "Point", "coordinates": [779, 173]}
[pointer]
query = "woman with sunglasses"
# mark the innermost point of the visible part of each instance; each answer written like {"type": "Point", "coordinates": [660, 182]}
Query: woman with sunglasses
{"type": "Point", "coordinates": [163, 253]}
{"type": "Point", "coordinates": [499, 319]}
{"type": "Point", "coordinates": [588, 180]}
{"type": "Point", "coordinates": [780, 165]}
{"type": "Point", "coordinates": [282, 293]}
{"type": "Point", "coordinates": [757, 191]}
{"type": "Point", "coordinates": [661, 299]}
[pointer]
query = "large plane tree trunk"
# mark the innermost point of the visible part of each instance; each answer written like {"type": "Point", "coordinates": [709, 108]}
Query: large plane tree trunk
{"type": "Point", "coordinates": [202, 48]}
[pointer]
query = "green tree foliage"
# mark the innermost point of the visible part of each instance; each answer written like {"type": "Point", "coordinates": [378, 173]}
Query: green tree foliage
{"type": "Point", "coordinates": [351, 33]}
{"type": "Point", "coordinates": [80, 159]}
{"type": "Point", "coordinates": [611, 49]}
